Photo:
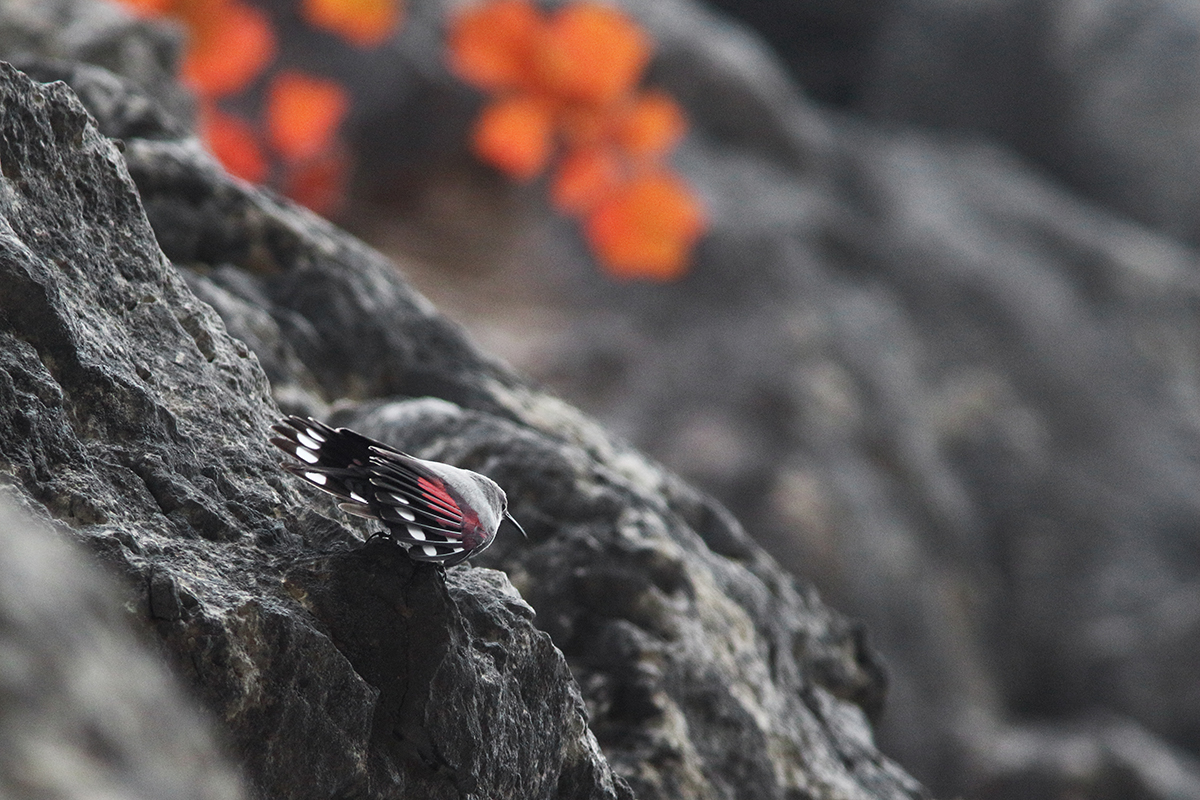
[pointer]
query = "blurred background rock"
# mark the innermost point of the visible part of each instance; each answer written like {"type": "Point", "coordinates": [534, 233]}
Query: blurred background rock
{"type": "Point", "coordinates": [939, 349]}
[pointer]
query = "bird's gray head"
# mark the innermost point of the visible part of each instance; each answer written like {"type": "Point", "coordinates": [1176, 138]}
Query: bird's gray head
{"type": "Point", "coordinates": [499, 500]}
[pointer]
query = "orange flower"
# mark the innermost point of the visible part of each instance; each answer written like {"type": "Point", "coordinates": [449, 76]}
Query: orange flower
{"type": "Point", "coordinates": [365, 23]}
{"type": "Point", "coordinates": [491, 44]}
{"type": "Point", "coordinates": [234, 142]}
{"type": "Point", "coordinates": [585, 53]}
{"type": "Point", "coordinates": [555, 75]}
{"type": "Point", "coordinates": [590, 54]}
{"type": "Point", "coordinates": [303, 114]}
{"type": "Point", "coordinates": [229, 44]}
{"type": "Point", "coordinates": [515, 135]}
{"type": "Point", "coordinates": [648, 229]}
{"type": "Point", "coordinates": [652, 126]}
{"type": "Point", "coordinates": [569, 81]}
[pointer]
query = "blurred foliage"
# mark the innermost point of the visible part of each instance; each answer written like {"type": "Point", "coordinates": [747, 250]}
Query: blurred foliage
{"type": "Point", "coordinates": [564, 96]}
{"type": "Point", "coordinates": [565, 92]}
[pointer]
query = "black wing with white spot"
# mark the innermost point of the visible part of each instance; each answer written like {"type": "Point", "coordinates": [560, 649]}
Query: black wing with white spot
{"type": "Point", "coordinates": [379, 482]}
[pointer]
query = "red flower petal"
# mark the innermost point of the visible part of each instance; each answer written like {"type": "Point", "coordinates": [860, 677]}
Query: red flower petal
{"type": "Point", "coordinates": [365, 23]}
{"type": "Point", "coordinates": [515, 135]}
{"type": "Point", "coordinates": [303, 114]}
{"type": "Point", "coordinates": [647, 230]}
{"type": "Point", "coordinates": [591, 53]}
{"type": "Point", "coordinates": [651, 127]}
{"type": "Point", "coordinates": [490, 45]}
{"type": "Point", "coordinates": [229, 44]}
{"type": "Point", "coordinates": [235, 144]}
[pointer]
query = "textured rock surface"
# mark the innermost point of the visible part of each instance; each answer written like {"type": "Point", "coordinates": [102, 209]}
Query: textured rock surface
{"type": "Point", "coordinates": [87, 710]}
{"type": "Point", "coordinates": [131, 413]}
{"type": "Point", "coordinates": [1103, 95]}
{"type": "Point", "coordinates": [958, 391]}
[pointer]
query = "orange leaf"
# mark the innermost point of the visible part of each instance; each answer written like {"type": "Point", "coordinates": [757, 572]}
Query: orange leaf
{"type": "Point", "coordinates": [648, 229]}
{"type": "Point", "coordinates": [652, 127]}
{"type": "Point", "coordinates": [490, 45]}
{"type": "Point", "coordinates": [591, 53]}
{"type": "Point", "coordinates": [319, 184]}
{"type": "Point", "coordinates": [585, 177]}
{"type": "Point", "coordinates": [515, 135]}
{"type": "Point", "coordinates": [365, 23]}
{"type": "Point", "coordinates": [235, 144]}
{"type": "Point", "coordinates": [228, 45]}
{"type": "Point", "coordinates": [303, 114]}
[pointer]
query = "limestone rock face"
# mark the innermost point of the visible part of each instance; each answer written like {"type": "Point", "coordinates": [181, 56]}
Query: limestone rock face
{"type": "Point", "coordinates": [652, 647]}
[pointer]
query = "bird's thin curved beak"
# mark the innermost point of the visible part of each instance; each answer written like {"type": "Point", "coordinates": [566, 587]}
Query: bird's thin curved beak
{"type": "Point", "coordinates": [509, 517]}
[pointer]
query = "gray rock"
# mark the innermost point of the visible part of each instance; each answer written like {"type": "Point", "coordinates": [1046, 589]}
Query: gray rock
{"type": "Point", "coordinates": [1100, 94]}
{"type": "Point", "coordinates": [81, 36]}
{"type": "Point", "coordinates": [1096, 755]}
{"type": "Point", "coordinates": [827, 45]}
{"type": "Point", "coordinates": [957, 394]}
{"type": "Point", "coordinates": [130, 412]}
{"type": "Point", "coordinates": [131, 415]}
{"type": "Point", "coordinates": [86, 709]}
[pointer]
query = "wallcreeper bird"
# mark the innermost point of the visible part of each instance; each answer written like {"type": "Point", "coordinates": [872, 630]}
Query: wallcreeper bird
{"type": "Point", "coordinates": [437, 512]}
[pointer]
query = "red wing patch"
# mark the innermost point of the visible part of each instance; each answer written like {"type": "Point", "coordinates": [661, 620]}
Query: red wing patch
{"type": "Point", "coordinates": [435, 494]}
